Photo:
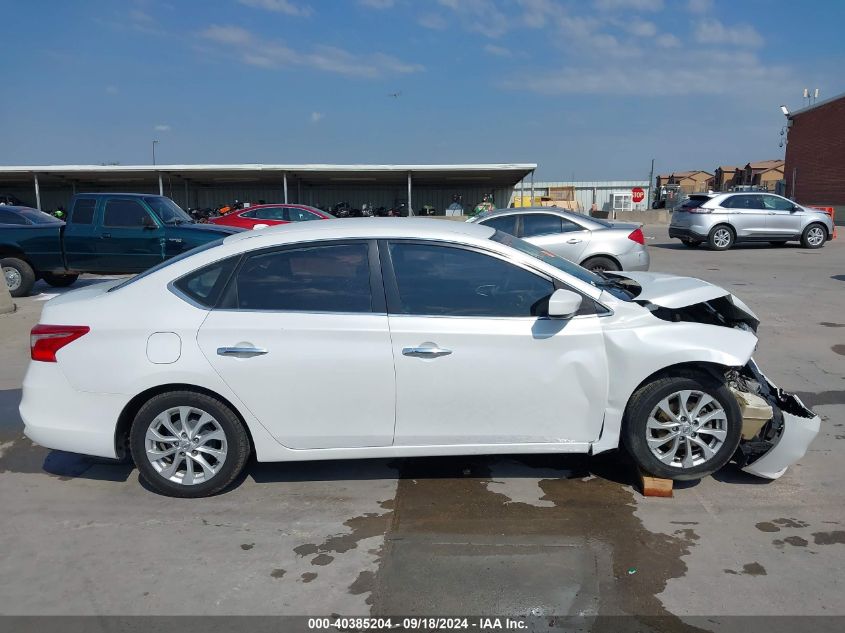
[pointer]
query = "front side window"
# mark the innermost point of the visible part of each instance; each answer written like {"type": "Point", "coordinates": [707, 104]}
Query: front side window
{"type": "Point", "coordinates": [776, 203]}
{"type": "Point", "coordinates": [534, 224]}
{"type": "Point", "coordinates": [125, 213]}
{"type": "Point", "coordinates": [301, 215]}
{"type": "Point", "coordinates": [437, 280]}
{"type": "Point", "coordinates": [168, 211]}
{"type": "Point", "coordinates": [506, 223]}
{"type": "Point", "coordinates": [83, 211]}
{"type": "Point", "coordinates": [328, 278]}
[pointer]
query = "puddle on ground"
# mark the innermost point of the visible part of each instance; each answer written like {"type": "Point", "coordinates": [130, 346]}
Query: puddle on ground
{"type": "Point", "coordinates": [839, 349]}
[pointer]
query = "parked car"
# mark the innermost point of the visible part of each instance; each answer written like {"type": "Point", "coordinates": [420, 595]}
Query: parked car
{"type": "Point", "coordinates": [436, 338]}
{"type": "Point", "coordinates": [595, 244]}
{"type": "Point", "coordinates": [111, 233]}
{"type": "Point", "coordinates": [7, 199]}
{"type": "Point", "coordinates": [723, 219]}
{"type": "Point", "coordinates": [270, 215]}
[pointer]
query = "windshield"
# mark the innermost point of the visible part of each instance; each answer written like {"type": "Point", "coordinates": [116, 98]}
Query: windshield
{"type": "Point", "coordinates": [168, 211]}
{"type": "Point", "coordinates": [167, 262]}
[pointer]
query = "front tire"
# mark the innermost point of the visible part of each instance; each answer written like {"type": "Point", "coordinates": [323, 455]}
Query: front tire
{"type": "Point", "coordinates": [18, 276]}
{"type": "Point", "coordinates": [814, 236]}
{"type": "Point", "coordinates": [59, 281]}
{"type": "Point", "coordinates": [721, 238]}
{"type": "Point", "coordinates": [682, 427]}
{"type": "Point", "coordinates": [188, 444]}
{"type": "Point", "coordinates": [600, 264]}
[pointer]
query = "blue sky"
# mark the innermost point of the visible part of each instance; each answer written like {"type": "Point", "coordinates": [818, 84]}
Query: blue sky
{"type": "Point", "coordinates": [590, 89]}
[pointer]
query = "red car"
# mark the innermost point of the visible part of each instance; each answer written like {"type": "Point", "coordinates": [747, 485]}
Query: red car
{"type": "Point", "coordinates": [271, 214]}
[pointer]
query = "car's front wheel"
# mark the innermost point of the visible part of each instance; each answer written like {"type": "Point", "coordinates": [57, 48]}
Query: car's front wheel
{"type": "Point", "coordinates": [682, 427]}
{"type": "Point", "coordinates": [814, 236]}
{"type": "Point", "coordinates": [188, 444]}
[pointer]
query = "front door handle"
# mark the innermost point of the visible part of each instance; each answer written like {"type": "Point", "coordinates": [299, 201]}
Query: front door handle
{"type": "Point", "coordinates": [425, 352]}
{"type": "Point", "coordinates": [241, 351]}
{"type": "Point", "coordinates": [106, 235]}
{"type": "Point", "coordinates": [573, 241]}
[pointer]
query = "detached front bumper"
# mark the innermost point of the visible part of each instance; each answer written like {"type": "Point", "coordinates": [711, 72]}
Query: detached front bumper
{"type": "Point", "coordinates": [787, 436]}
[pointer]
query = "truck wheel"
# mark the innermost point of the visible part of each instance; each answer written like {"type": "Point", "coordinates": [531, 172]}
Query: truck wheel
{"type": "Point", "coordinates": [682, 427]}
{"type": "Point", "coordinates": [59, 281]}
{"type": "Point", "coordinates": [19, 276]}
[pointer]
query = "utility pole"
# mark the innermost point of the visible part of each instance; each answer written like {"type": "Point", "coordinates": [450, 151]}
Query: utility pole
{"type": "Point", "coordinates": [651, 183]}
{"type": "Point", "coordinates": [154, 152]}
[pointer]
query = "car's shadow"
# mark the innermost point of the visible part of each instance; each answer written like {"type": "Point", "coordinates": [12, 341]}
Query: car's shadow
{"type": "Point", "coordinates": [678, 246]}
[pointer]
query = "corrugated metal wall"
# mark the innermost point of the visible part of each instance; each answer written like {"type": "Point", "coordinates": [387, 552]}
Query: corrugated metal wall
{"type": "Point", "coordinates": [587, 192]}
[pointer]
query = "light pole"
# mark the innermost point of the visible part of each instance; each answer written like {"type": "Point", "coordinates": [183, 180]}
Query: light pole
{"type": "Point", "coordinates": [154, 152]}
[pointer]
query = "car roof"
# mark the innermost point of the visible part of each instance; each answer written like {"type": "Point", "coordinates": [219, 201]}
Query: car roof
{"type": "Point", "coordinates": [17, 207]}
{"type": "Point", "coordinates": [566, 213]}
{"type": "Point", "coordinates": [119, 193]}
{"type": "Point", "coordinates": [425, 228]}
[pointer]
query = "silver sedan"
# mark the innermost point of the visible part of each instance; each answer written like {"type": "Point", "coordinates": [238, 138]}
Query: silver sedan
{"type": "Point", "coordinates": [595, 244]}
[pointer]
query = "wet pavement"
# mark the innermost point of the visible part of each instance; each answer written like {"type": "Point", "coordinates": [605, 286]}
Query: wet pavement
{"type": "Point", "coordinates": [540, 536]}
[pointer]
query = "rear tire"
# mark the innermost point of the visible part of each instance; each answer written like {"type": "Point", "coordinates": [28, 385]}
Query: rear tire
{"type": "Point", "coordinates": [814, 236]}
{"type": "Point", "coordinates": [18, 275]}
{"type": "Point", "coordinates": [59, 281]}
{"type": "Point", "coordinates": [721, 238]}
{"type": "Point", "coordinates": [600, 264]}
{"type": "Point", "coordinates": [188, 444]}
{"type": "Point", "coordinates": [682, 427]}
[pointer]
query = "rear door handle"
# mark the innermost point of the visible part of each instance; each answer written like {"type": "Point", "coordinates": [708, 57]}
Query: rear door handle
{"type": "Point", "coordinates": [241, 351]}
{"type": "Point", "coordinates": [425, 352]}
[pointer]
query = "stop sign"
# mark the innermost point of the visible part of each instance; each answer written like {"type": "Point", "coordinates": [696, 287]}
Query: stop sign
{"type": "Point", "coordinates": [637, 194]}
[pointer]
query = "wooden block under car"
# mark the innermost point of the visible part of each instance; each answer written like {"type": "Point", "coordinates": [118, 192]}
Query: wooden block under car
{"type": "Point", "coordinates": [654, 486]}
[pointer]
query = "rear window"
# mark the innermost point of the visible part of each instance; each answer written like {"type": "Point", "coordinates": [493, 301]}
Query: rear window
{"type": "Point", "coordinates": [83, 211]}
{"type": "Point", "coordinates": [204, 286]}
{"type": "Point", "coordinates": [694, 202]}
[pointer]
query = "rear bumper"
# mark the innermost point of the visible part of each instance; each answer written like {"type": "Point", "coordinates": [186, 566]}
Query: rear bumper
{"type": "Point", "coordinates": [57, 416]}
{"type": "Point", "coordinates": [685, 233]}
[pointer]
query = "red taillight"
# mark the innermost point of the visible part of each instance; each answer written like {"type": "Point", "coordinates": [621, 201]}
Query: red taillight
{"type": "Point", "coordinates": [637, 236]}
{"type": "Point", "coordinates": [697, 210]}
{"type": "Point", "coordinates": [46, 340]}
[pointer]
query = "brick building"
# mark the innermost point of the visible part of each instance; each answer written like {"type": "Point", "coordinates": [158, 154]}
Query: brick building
{"type": "Point", "coordinates": [815, 155]}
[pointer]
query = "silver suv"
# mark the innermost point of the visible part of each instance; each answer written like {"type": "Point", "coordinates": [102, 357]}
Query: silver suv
{"type": "Point", "coordinates": [722, 219]}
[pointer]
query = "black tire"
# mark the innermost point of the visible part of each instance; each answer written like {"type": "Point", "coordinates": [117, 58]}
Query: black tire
{"type": "Point", "coordinates": [59, 281]}
{"type": "Point", "coordinates": [600, 264]}
{"type": "Point", "coordinates": [22, 277]}
{"type": "Point", "coordinates": [691, 243]}
{"type": "Point", "coordinates": [721, 238]}
{"type": "Point", "coordinates": [778, 243]}
{"type": "Point", "coordinates": [808, 239]}
{"type": "Point", "coordinates": [237, 444]}
{"type": "Point", "coordinates": [635, 432]}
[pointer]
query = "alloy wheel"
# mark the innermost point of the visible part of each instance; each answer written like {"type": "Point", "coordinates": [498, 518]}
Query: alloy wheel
{"type": "Point", "coordinates": [13, 278]}
{"type": "Point", "coordinates": [686, 429]}
{"type": "Point", "coordinates": [186, 445]}
{"type": "Point", "coordinates": [722, 238]}
{"type": "Point", "coordinates": [815, 236]}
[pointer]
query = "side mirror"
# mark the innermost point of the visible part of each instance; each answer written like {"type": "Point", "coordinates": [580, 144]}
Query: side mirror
{"type": "Point", "coordinates": [794, 208]}
{"type": "Point", "coordinates": [563, 304]}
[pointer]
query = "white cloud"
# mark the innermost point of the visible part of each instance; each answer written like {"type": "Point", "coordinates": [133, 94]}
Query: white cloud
{"type": "Point", "coordinates": [272, 54]}
{"type": "Point", "coordinates": [162, 127]}
{"type": "Point", "coordinates": [481, 16]}
{"type": "Point", "coordinates": [711, 31]}
{"type": "Point", "coordinates": [642, 28]}
{"type": "Point", "coordinates": [498, 51]}
{"type": "Point", "coordinates": [377, 4]}
{"type": "Point", "coordinates": [668, 40]}
{"type": "Point", "coordinates": [632, 5]}
{"type": "Point", "coordinates": [279, 6]}
{"type": "Point", "coordinates": [316, 117]}
{"type": "Point", "coordinates": [699, 6]}
{"type": "Point", "coordinates": [433, 21]}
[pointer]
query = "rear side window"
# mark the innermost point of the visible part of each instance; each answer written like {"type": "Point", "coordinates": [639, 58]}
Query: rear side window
{"type": "Point", "coordinates": [301, 215]}
{"type": "Point", "coordinates": [328, 278]}
{"type": "Point", "coordinates": [693, 202]}
{"type": "Point", "coordinates": [83, 211]}
{"type": "Point", "coordinates": [124, 213]}
{"type": "Point", "coordinates": [506, 224]}
{"type": "Point", "coordinates": [743, 202]}
{"type": "Point", "coordinates": [7, 217]}
{"type": "Point", "coordinates": [204, 286]}
{"type": "Point", "coordinates": [534, 224]}
{"type": "Point", "coordinates": [271, 213]}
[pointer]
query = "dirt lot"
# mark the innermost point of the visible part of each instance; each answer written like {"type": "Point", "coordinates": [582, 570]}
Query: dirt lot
{"type": "Point", "coordinates": [536, 536]}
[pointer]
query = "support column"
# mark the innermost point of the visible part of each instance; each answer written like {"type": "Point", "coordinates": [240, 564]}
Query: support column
{"type": "Point", "coordinates": [37, 193]}
{"type": "Point", "coordinates": [160, 185]}
{"type": "Point", "coordinates": [187, 204]}
{"type": "Point", "coordinates": [285, 182]}
{"type": "Point", "coordinates": [298, 191]}
{"type": "Point", "coordinates": [410, 207]}
{"type": "Point", "coordinates": [532, 188]}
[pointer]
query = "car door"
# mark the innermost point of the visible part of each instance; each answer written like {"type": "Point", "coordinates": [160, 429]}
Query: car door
{"type": "Point", "coordinates": [302, 339]}
{"type": "Point", "coordinates": [477, 363]}
{"type": "Point", "coordinates": [783, 219]}
{"type": "Point", "coordinates": [746, 214]}
{"type": "Point", "coordinates": [131, 238]}
{"type": "Point", "coordinates": [80, 237]}
{"type": "Point", "coordinates": [554, 233]}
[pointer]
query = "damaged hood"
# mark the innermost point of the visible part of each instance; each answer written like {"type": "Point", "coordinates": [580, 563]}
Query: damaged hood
{"type": "Point", "coordinates": [670, 291]}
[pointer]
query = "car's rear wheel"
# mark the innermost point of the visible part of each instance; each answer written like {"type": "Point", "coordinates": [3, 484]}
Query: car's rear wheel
{"type": "Point", "coordinates": [188, 444]}
{"type": "Point", "coordinates": [600, 264]}
{"type": "Point", "coordinates": [691, 243]}
{"type": "Point", "coordinates": [721, 238]}
{"type": "Point", "coordinates": [814, 236]}
{"type": "Point", "coordinates": [59, 281]}
{"type": "Point", "coordinates": [18, 275]}
{"type": "Point", "coordinates": [682, 427]}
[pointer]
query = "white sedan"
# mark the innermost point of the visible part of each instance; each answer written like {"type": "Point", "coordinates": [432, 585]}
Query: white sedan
{"type": "Point", "coordinates": [393, 338]}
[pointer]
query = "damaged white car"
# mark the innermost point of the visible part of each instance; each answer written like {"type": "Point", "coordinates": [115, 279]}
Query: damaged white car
{"type": "Point", "coordinates": [395, 338]}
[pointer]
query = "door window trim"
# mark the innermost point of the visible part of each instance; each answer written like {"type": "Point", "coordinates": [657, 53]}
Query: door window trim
{"type": "Point", "coordinates": [378, 300]}
{"type": "Point", "coordinates": [391, 286]}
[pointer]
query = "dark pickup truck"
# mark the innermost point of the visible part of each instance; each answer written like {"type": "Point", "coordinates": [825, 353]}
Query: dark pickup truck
{"type": "Point", "coordinates": [105, 233]}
